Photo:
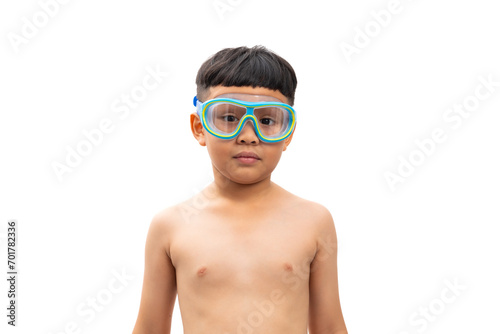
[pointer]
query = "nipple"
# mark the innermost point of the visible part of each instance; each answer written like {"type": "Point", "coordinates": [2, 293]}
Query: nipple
{"type": "Point", "coordinates": [288, 266]}
{"type": "Point", "coordinates": [201, 271]}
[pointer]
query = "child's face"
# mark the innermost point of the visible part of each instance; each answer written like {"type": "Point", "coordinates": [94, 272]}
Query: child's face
{"type": "Point", "coordinates": [223, 151]}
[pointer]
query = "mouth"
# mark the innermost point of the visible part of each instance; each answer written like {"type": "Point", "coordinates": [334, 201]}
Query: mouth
{"type": "Point", "coordinates": [247, 155]}
{"type": "Point", "coordinates": [247, 160]}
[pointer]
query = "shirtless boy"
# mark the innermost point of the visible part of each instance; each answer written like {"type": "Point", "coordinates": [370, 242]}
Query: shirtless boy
{"type": "Point", "coordinates": [244, 255]}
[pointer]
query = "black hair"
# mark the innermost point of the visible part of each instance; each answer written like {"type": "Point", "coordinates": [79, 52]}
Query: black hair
{"type": "Point", "coordinates": [243, 66]}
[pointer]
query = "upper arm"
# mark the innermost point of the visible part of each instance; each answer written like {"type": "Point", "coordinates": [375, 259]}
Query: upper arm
{"type": "Point", "coordinates": [159, 287]}
{"type": "Point", "coordinates": [325, 313]}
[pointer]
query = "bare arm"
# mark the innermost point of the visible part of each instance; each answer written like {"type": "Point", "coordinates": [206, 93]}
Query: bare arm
{"type": "Point", "coordinates": [159, 288]}
{"type": "Point", "coordinates": [325, 314]}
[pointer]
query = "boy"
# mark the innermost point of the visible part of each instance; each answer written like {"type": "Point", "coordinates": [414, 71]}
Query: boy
{"type": "Point", "coordinates": [244, 255]}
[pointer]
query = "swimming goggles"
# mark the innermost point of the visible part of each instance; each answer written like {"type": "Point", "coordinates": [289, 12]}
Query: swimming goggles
{"type": "Point", "coordinates": [225, 116]}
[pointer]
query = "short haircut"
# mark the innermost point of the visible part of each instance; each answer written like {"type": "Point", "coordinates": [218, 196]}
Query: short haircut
{"type": "Point", "coordinates": [243, 66]}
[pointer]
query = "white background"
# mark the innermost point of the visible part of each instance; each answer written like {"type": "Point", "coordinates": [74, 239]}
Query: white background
{"type": "Point", "coordinates": [396, 248]}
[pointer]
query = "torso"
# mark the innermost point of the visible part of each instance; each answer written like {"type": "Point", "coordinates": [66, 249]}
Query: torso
{"type": "Point", "coordinates": [244, 272]}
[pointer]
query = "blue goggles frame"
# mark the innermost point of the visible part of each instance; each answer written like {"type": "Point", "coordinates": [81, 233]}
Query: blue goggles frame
{"type": "Point", "coordinates": [201, 109]}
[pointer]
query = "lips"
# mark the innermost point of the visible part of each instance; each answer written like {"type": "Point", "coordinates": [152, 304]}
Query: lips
{"type": "Point", "coordinates": [246, 154]}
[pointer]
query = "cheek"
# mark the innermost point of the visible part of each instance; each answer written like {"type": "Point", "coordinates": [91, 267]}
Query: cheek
{"type": "Point", "coordinates": [275, 158]}
{"type": "Point", "coordinates": [273, 154]}
{"type": "Point", "coordinates": [218, 151]}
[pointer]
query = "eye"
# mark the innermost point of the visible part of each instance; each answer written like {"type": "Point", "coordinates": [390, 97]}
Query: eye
{"type": "Point", "coordinates": [267, 121]}
{"type": "Point", "coordinates": [229, 118]}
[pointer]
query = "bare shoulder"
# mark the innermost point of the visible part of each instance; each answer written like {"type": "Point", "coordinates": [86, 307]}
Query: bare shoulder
{"type": "Point", "coordinates": [320, 215]}
{"type": "Point", "coordinates": [165, 219]}
{"type": "Point", "coordinates": [317, 216]}
{"type": "Point", "coordinates": [163, 224]}
{"type": "Point", "coordinates": [169, 217]}
{"type": "Point", "coordinates": [325, 233]}
{"type": "Point", "coordinates": [172, 217]}
{"type": "Point", "coordinates": [323, 216]}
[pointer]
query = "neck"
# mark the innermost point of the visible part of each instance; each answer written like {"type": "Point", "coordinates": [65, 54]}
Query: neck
{"type": "Point", "coordinates": [227, 190]}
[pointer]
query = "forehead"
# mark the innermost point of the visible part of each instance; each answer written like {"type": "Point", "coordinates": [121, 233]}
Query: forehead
{"type": "Point", "coordinates": [247, 93]}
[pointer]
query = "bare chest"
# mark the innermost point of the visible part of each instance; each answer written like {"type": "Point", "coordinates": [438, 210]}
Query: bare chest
{"type": "Point", "coordinates": [243, 253]}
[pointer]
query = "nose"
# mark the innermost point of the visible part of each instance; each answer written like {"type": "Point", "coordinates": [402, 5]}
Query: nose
{"type": "Point", "coordinates": [248, 132]}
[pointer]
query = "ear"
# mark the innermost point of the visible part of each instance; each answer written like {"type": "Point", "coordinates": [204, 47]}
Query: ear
{"type": "Point", "coordinates": [197, 129]}
{"type": "Point", "coordinates": [288, 140]}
